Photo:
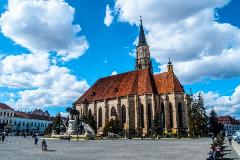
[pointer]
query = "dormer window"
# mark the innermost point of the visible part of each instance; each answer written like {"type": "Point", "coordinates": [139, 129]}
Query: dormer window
{"type": "Point", "coordinates": [93, 93]}
{"type": "Point", "coordinates": [115, 90]}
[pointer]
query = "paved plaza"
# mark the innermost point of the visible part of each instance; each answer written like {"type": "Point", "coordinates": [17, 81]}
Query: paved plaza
{"type": "Point", "coordinates": [18, 148]}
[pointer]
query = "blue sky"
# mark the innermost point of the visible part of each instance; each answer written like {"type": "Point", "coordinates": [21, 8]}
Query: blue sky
{"type": "Point", "coordinates": [202, 39]}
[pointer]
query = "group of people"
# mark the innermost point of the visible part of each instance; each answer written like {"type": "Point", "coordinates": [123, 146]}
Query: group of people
{"type": "Point", "coordinates": [44, 143]}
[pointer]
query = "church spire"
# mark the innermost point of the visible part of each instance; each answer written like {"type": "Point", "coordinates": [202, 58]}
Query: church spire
{"type": "Point", "coordinates": [142, 39]}
{"type": "Point", "coordinates": [143, 60]}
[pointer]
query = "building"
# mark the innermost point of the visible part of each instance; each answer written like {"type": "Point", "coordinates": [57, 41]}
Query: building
{"type": "Point", "coordinates": [136, 96]}
{"type": "Point", "coordinates": [30, 122]}
{"type": "Point", "coordinates": [6, 117]}
{"type": "Point", "coordinates": [231, 125]}
{"type": "Point", "coordinates": [40, 112]}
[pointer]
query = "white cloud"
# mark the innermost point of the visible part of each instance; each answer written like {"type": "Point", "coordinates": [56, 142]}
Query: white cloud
{"type": "Point", "coordinates": [41, 84]}
{"type": "Point", "coordinates": [114, 73]}
{"type": "Point", "coordinates": [43, 26]}
{"type": "Point", "coordinates": [108, 17]}
{"type": "Point", "coordinates": [64, 114]}
{"type": "Point", "coordinates": [188, 34]}
{"type": "Point", "coordinates": [224, 105]}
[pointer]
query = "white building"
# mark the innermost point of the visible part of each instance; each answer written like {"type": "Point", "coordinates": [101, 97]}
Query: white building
{"type": "Point", "coordinates": [231, 125]}
{"type": "Point", "coordinates": [6, 117]}
{"type": "Point", "coordinates": [32, 123]}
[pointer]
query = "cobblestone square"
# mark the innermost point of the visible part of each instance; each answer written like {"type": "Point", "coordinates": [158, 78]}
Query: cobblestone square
{"type": "Point", "coordinates": [18, 148]}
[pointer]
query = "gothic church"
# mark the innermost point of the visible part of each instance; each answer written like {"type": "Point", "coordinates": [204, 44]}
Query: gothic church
{"type": "Point", "coordinates": [136, 96]}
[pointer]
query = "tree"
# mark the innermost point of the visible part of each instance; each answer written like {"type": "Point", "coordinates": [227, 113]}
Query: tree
{"type": "Point", "coordinates": [113, 126]}
{"type": "Point", "coordinates": [90, 121]}
{"type": "Point", "coordinates": [57, 123]}
{"type": "Point", "coordinates": [214, 126]}
{"type": "Point", "coordinates": [197, 117]}
{"type": "Point", "coordinates": [48, 130]}
{"type": "Point", "coordinates": [156, 126]}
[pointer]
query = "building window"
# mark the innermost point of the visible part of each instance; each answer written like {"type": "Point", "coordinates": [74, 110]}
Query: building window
{"type": "Point", "coordinates": [171, 115]}
{"type": "Point", "coordinates": [162, 114]}
{"type": "Point", "coordinates": [7, 114]}
{"type": "Point", "coordinates": [4, 114]}
{"type": "Point", "coordinates": [142, 116]}
{"type": "Point", "coordinates": [113, 112]}
{"type": "Point", "coordinates": [0, 113]}
{"type": "Point", "coordinates": [100, 117]}
{"type": "Point", "coordinates": [123, 114]}
{"type": "Point", "coordinates": [180, 119]}
{"type": "Point", "coordinates": [149, 115]}
{"type": "Point", "coordinates": [90, 112]}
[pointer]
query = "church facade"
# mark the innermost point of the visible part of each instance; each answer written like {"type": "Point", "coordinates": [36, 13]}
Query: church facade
{"type": "Point", "coordinates": [135, 97]}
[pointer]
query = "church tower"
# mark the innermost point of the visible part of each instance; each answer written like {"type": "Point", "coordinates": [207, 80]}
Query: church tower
{"type": "Point", "coordinates": [143, 60]}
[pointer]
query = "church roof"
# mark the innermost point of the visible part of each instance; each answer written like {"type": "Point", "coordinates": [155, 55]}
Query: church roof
{"type": "Point", "coordinates": [134, 82]}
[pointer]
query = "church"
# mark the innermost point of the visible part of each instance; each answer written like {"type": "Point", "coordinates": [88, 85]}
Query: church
{"type": "Point", "coordinates": [135, 97]}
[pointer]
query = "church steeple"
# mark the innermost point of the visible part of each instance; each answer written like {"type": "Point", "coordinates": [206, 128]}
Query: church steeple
{"type": "Point", "coordinates": [143, 60]}
{"type": "Point", "coordinates": [142, 39]}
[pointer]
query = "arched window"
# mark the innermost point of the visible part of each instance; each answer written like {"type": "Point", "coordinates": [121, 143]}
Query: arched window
{"type": "Point", "coordinates": [123, 114]}
{"type": "Point", "coordinates": [162, 113]}
{"type": "Point", "coordinates": [140, 66]}
{"type": "Point", "coordinates": [171, 115]}
{"type": "Point", "coordinates": [141, 116]}
{"type": "Point", "coordinates": [100, 117]}
{"type": "Point", "coordinates": [180, 120]}
{"type": "Point", "coordinates": [149, 116]}
{"type": "Point", "coordinates": [90, 112]}
{"type": "Point", "coordinates": [113, 112]}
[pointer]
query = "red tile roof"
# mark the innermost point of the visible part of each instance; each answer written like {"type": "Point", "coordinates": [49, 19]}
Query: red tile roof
{"type": "Point", "coordinates": [32, 116]}
{"type": "Point", "coordinates": [4, 106]}
{"type": "Point", "coordinates": [228, 120]}
{"type": "Point", "coordinates": [134, 82]}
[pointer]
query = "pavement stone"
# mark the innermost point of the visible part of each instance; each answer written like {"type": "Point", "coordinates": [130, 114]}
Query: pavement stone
{"type": "Point", "coordinates": [18, 148]}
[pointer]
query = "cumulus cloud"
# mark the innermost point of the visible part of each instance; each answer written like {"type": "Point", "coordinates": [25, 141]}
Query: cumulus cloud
{"type": "Point", "coordinates": [108, 17]}
{"type": "Point", "coordinates": [224, 105]}
{"type": "Point", "coordinates": [189, 34]}
{"type": "Point", "coordinates": [114, 73]}
{"type": "Point", "coordinates": [41, 84]}
{"type": "Point", "coordinates": [44, 26]}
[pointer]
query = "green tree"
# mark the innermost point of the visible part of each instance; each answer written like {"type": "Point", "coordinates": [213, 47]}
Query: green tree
{"type": "Point", "coordinates": [57, 123]}
{"type": "Point", "coordinates": [214, 126]}
{"type": "Point", "coordinates": [156, 126]}
{"type": "Point", "coordinates": [48, 130]}
{"type": "Point", "coordinates": [197, 117]}
{"type": "Point", "coordinates": [90, 121]}
{"type": "Point", "coordinates": [113, 126]}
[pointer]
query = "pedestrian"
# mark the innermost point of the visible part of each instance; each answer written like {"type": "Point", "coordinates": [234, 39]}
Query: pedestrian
{"type": "Point", "coordinates": [3, 137]}
{"type": "Point", "coordinates": [44, 145]}
{"type": "Point", "coordinates": [35, 140]}
{"type": "Point", "coordinates": [230, 140]}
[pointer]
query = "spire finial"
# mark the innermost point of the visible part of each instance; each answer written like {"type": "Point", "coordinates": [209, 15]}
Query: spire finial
{"type": "Point", "coordinates": [169, 61]}
{"type": "Point", "coordinates": [141, 19]}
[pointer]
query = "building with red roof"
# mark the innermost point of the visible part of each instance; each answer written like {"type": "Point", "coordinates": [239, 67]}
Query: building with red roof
{"type": "Point", "coordinates": [135, 97]}
{"type": "Point", "coordinates": [231, 125]}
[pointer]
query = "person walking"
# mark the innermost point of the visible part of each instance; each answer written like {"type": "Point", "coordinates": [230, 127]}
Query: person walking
{"type": "Point", "coordinates": [3, 137]}
{"type": "Point", "coordinates": [230, 140]}
{"type": "Point", "coordinates": [44, 145]}
{"type": "Point", "coordinates": [35, 140]}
